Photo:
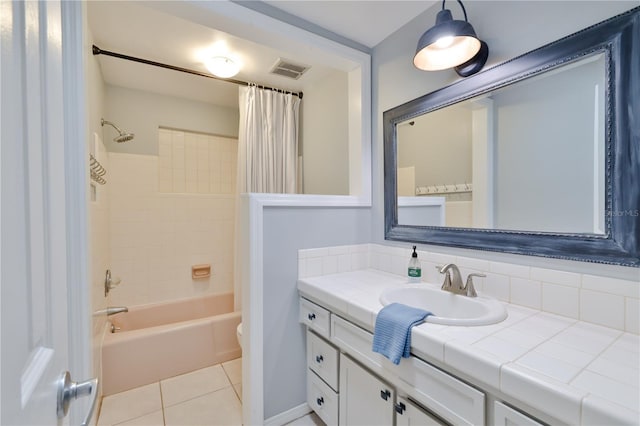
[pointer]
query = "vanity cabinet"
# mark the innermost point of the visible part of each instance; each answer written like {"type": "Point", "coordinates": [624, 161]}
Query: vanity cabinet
{"type": "Point", "coordinates": [341, 388]}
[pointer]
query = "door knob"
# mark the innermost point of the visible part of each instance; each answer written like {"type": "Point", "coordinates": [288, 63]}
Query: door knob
{"type": "Point", "coordinates": [69, 391]}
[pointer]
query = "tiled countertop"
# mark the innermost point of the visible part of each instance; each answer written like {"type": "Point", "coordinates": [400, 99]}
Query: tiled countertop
{"type": "Point", "coordinates": [577, 372]}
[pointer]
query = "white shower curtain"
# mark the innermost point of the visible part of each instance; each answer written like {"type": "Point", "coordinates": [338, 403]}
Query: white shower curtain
{"type": "Point", "coordinates": [267, 156]}
{"type": "Point", "coordinates": [267, 141]}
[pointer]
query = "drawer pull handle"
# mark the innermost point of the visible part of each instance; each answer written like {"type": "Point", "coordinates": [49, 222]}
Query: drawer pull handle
{"type": "Point", "coordinates": [400, 407]}
{"type": "Point", "coordinates": [319, 359]}
{"type": "Point", "coordinates": [311, 317]}
{"type": "Point", "coordinates": [385, 394]}
{"type": "Point", "coordinates": [320, 401]}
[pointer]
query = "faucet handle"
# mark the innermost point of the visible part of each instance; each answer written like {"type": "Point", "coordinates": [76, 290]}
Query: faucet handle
{"type": "Point", "coordinates": [469, 287]}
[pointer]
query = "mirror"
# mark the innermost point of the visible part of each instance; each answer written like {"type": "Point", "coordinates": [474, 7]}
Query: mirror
{"type": "Point", "coordinates": [535, 156]}
{"type": "Point", "coordinates": [518, 157]}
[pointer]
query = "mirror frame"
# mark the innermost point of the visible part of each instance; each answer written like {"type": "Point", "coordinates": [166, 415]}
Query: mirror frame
{"type": "Point", "coordinates": [619, 39]}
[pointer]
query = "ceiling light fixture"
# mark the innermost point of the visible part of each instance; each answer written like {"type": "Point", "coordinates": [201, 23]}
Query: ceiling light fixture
{"type": "Point", "coordinates": [222, 67]}
{"type": "Point", "coordinates": [451, 44]}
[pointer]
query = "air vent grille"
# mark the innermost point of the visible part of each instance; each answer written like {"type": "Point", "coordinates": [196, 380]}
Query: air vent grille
{"type": "Point", "coordinates": [286, 68]}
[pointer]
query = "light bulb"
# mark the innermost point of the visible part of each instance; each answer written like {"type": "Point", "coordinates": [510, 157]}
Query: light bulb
{"type": "Point", "coordinates": [444, 42]}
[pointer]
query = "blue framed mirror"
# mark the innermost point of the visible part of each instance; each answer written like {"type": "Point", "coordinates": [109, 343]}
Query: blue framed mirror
{"type": "Point", "coordinates": [537, 156]}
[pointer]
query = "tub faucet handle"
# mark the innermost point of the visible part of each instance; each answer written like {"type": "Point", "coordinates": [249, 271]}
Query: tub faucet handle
{"type": "Point", "coordinates": [110, 283]}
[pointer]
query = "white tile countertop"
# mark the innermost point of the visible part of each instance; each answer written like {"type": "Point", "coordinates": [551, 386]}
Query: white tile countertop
{"type": "Point", "coordinates": [577, 372]}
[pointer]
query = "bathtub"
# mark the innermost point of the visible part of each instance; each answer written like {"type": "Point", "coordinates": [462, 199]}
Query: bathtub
{"type": "Point", "coordinates": [162, 340]}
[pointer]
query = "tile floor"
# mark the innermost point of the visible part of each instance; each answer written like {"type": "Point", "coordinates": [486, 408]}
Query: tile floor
{"type": "Point", "coordinates": [210, 396]}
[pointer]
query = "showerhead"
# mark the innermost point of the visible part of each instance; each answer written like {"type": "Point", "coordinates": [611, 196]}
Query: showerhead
{"type": "Point", "coordinates": [122, 137]}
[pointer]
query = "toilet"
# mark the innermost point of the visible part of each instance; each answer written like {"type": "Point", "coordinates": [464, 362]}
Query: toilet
{"type": "Point", "coordinates": [239, 334]}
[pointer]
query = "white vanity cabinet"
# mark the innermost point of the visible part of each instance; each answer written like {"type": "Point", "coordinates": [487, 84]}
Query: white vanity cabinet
{"type": "Point", "coordinates": [364, 398]}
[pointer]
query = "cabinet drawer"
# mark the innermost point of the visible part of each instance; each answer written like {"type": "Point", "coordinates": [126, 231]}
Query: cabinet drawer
{"type": "Point", "coordinates": [354, 340]}
{"type": "Point", "coordinates": [322, 399]}
{"type": "Point", "coordinates": [322, 358]}
{"type": "Point", "coordinates": [505, 416]}
{"type": "Point", "coordinates": [314, 317]}
{"type": "Point", "coordinates": [446, 396]}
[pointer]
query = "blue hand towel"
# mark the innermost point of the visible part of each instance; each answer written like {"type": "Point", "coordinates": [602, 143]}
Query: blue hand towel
{"type": "Point", "coordinates": [392, 334]}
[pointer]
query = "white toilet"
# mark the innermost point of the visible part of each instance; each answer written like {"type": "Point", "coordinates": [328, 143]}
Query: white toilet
{"type": "Point", "coordinates": [239, 334]}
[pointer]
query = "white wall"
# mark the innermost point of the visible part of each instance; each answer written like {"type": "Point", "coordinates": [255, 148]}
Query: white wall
{"type": "Point", "coordinates": [286, 230]}
{"type": "Point", "coordinates": [140, 112]}
{"type": "Point", "coordinates": [510, 29]}
{"type": "Point", "coordinates": [324, 136]}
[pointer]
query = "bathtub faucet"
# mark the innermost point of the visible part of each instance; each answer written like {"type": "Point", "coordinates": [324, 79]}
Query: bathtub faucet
{"type": "Point", "coordinates": [112, 310]}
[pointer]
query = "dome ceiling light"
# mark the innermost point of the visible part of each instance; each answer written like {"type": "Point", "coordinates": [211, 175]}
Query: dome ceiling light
{"type": "Point", "coordinates": [222, 67]}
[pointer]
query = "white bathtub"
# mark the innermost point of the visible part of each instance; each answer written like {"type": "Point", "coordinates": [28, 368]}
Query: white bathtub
{"type": "Point", "coordinates": [163, 340]}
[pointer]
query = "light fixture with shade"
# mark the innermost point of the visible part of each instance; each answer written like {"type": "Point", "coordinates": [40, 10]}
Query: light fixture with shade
{"type": "Point", "coordinates": [451, 44]}
{"type": "Point", "coordinates": [222, 67]}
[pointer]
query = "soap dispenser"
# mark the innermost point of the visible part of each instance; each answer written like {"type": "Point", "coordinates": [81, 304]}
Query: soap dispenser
{"type": "Point", "coordinates": [414, 271]}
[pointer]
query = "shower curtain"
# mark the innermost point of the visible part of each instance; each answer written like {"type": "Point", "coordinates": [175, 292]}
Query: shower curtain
{"type": "Point", "coordinates": [267, 156]}
{"type": "Point", "coordinates": [267, 141]}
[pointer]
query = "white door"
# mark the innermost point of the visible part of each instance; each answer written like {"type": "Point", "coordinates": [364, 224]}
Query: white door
{"type": "Point", "coordinates": [38, 266]}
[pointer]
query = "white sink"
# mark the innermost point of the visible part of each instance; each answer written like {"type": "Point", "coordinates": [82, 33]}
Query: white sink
{"type": "Point", "coordinates": [447, 308]}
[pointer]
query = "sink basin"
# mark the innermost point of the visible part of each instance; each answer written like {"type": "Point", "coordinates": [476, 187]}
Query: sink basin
{"type": "Point", "coordinates": [447, 308]}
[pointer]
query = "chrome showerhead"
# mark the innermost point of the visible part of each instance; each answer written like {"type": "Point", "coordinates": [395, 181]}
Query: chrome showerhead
{"type": "Point", "coordinates": [122, 137]}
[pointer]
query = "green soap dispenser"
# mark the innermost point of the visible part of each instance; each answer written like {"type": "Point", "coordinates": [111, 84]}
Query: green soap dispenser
{"type": "Point", "coordinates": [414, 271]}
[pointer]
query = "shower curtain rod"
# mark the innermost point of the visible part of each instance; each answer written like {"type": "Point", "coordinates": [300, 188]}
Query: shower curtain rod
{"type": "Point", "coordinates": [98, 51]}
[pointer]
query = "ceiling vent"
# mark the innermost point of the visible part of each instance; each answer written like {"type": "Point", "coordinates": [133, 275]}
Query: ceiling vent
{"type": "Point", "coordinates": [286, 68]}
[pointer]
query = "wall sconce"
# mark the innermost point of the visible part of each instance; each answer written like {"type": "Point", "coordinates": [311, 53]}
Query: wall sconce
{"type": "Point", "coordinates": [451, 44]}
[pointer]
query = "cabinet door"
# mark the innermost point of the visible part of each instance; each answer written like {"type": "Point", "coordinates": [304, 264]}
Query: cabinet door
{"type": "Point", "coordinates": [409, 414]}
{"type": "Point", "coordinates": [364, 399]}
{"type": "Point", "coordinates": [506, 416]}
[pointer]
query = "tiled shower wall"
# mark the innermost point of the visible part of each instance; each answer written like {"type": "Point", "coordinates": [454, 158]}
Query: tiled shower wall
{"type": "Point", "coordinates": [156, 237]}
{"type": "Point", "coordinates": [600, 300]}
{"type": "Point", "coordinates": [196, 163]}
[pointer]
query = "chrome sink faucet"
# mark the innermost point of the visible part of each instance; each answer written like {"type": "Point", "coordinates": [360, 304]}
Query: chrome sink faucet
{"type": "Point", "coordinates": [453, 281]}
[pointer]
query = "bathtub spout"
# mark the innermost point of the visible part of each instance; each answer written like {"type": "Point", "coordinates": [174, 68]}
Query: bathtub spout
{"type": "Point", "coordinates": [112, 310]}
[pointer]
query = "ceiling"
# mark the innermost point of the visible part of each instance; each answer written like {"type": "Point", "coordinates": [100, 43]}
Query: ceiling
{"type": "Point", "coordinates": [137, 28]}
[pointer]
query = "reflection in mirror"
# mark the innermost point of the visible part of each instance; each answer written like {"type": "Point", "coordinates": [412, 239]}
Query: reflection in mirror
{"type": "Point", "coordinates": [517, 158]}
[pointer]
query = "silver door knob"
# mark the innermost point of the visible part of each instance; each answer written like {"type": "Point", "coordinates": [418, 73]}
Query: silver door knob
{"type": "Point", "coordinates": [69, 391]}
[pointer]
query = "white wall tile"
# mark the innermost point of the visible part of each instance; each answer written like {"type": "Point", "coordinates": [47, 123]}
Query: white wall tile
{"type": "Point", "coordinates": [560, 300]}
{"type": "Point", "coordinates": [314, 266]}
{"type": "Point", "coordinates": [344, 263]}
{"type": "Point", "coordinates": [497, 286]}
{"type": "Point", "coordinates": [556, 277]}
{"type": "Point", "coordinates": [632, 315]}
{"type": "Point", "coordinates": [602, 308]}
{"type": "Point", "coordinates": [510, 269]}
{"type": "Point", "coordinates": [163, 234]}
{"type": "Point", "coordinates": [526, 292]}
{"type": "Point", "coordinates": [472, 263]}
{"type": "Point", "coordinates": [612, 285]}
{"type": "Point", "coordinates": [329, 265]}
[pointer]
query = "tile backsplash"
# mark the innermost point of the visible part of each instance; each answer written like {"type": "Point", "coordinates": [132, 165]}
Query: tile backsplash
{"type": "Point", "coordinates": [610, 302]}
